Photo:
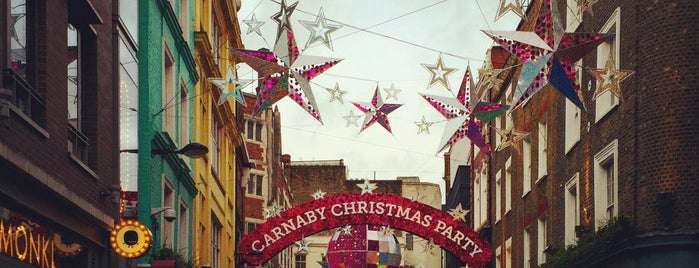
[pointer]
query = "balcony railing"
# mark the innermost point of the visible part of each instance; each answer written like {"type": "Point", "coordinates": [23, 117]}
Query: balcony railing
{"type": "Point", "coordinates": [77, 143]}
{"type": "Point", "coordinates": [24, 97]}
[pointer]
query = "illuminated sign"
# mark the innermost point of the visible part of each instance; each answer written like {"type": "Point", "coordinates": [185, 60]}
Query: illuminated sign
{"type": "Point", "coordinates": [26, 245]}
{"type": "Point", "coordinates": [279, 232]}
{"type": "Point", "coordinates": [130, 239]}
{"type": "Point", "coordinates": [66, 249]}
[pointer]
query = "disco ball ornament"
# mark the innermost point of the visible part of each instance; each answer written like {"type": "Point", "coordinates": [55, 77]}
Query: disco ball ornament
{"type": "Point", "coordinates": [363, 246]}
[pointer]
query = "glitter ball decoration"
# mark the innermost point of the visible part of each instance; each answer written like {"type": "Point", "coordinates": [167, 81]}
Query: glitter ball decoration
{"type": "Point", "coordinates": [365, 246]}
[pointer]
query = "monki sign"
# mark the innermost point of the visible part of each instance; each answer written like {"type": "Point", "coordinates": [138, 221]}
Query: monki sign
{"type": "Point", "coordinates": [280, 231]}
{"type": "Point", "coordinates": [22, 243]}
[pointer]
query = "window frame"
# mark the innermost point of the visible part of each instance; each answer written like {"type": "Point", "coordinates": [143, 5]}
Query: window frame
{"type": "Point", "coordinates": [541, 148]}
{"type": "Point", "coordinates": [508, 185]}
{"type": "Point", "coordinates": [572, 214]}
{"type": "Point", "coordinates": [498, 196]}
{"type": "Point", "coordinates": [609, 155]}
{"type": "Point", "coordinates": [612, 44]}
{"type": "Point", "coordinates": [526, 166]}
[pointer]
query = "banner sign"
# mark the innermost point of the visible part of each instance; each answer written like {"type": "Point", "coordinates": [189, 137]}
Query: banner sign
{"type": "Point", "coordinates": [333, 211]}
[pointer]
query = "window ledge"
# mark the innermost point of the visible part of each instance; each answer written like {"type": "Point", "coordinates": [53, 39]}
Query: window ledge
{"type": "Point", "coordinates": [83, 166]}
{"type": "Point", "coordinates": [29, 121]}
{"type": "Point", "coordinates": [526, 193]}
{"type": "Point", "coordinates": [572, 146]}
{"type": "Point", "coordinates": [541, 179]}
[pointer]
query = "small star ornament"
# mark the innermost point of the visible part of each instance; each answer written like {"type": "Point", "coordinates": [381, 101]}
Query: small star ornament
{"type": "Point", "coordinates": [459, 213]}
{"type": "Point", "coordinates": [271, 211]}
{"type": "Point", "coordinates": [609, 78]}
{"type": "Point", "coordinates": [429, 247]}
{"type": "Point", "coordinates": [336, 94]}
{"type": "Point", "coordinates": [387, 231]}
{"type": "Point", "coordinates": [423, 126]}
{"type": "Point", "coordinates": [351, 119]}
{"type": "Point", "coordinates": [376, 111]}
{"type": "Point", "coordinates": [254, 25]}
{"type": "Point", "coordinates": [367, 187]}
{"type": "Point", "coordinates": [320, 30]}
{"type": "Point", "coordinates": [318, 194]}
{"type": "Point", "coordinates": [510, 5]}
{"type": "Point", "coordinates": [345, 230]}
{"type": "Point", "coordinates": [586, 5]}
{"type": "Point", "coordinates": [303, 246]}
{"type": "Point", "coordinates": [392, 92]}
{"type": "Point", "coordinates": [510, 137]}
{"type": "Point", "coordinates": [230, 82]}
{"type": "Point", "coordinates": [439, 73]}
{"type": "Point", "coordinates": [282, 17]}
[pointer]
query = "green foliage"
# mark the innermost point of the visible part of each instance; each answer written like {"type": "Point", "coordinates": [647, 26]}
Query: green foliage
{"type": "Point", "coordinates": [166, 253]}
{"type": "Point", "coordinates": [592, 244]}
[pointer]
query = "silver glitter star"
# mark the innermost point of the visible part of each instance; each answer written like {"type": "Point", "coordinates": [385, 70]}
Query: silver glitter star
{"type": "Point", "coordinates": [423, 126]}
{"type": "Point", "coordinates": [459, 213]}
{"type": "Point", "coordinates": [352, 119]}
{"type": "Point", "coordinates": [320, 30]}
{"type": "Point", "coordinates": [439, 73]}
{"type": "Point", "coordinates": [282, 17]}
{"type": "Point", "coordinates": [367, 187]}
{"type": "Point", "coordinates": [392, 92]}
{"type": "Point", "coordinates": [254, 25]}
{"type": "Point", "coordinates": [336, 93]}
{"type": "Point", "coordinates": [303, 245]}
{"type": "Point", "coordinates": [318, 194]}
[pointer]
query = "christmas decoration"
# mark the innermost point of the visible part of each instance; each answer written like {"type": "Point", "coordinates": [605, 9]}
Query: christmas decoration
{"type": "Point", "coordinates": [345, 230]}
{"type": "Point", "coordinates": [376, 111]}
{"type": "Point", "coordinates": [282, 18]}
{"type": "Point", "coordinates": [351, 119]}
{"type": "Point", "coordinates": [367, 187]}
{"type": "Point", "coordinates": [509, 137]}
{"type": "Point", "coordinates": [303, 246]}
{"type": "Point", "coordinates": [429, 247]}
{"type": "Point", "coordinates": [320, 30]}
{"type": "Point", "coordinates": [253, 25]}
{"type": "Point", "coordinates": [366, 247]}
{"type": "Point", "coordinates": [318, 194]}
{"type": "Point", "coordinates": [510, 5]}
{"type": "Point", "coordinates": [609, 78]}
{"type": "Point", "coordinates": [586, 5]}
{"type": "Point", "coordinates": [333, 211]}
{"type": "Point", "coordinates": [231, 81]}
{"type": "Point", "coordinates": [548, 55]}
{"type": "Point", "coordinates": [271, 211]}
{"type": "Point", "coordinates": [459, 213]}
{"type": "Point", "coordinates": [439, 73]}
{"type": "Point", "coordinates": [392, 92]}
{"type": "Point", "coordinates": [423, 126]}
{"type": "Point", "coordinates": [336, 93]}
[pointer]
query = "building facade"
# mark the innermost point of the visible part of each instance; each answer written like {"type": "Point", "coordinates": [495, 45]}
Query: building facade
{"type": "Point", "coordinates": [215, 123]}
{"type": "Point", "coordinates": [166, 79]}
{"type": "Point", "coordinates": [611, 185]}
{"type": "Point", "coordinates": [59, 136]}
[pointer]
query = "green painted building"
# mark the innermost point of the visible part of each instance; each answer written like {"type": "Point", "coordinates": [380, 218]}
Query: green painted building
{"type": "Point", "coordinates": [166, 78]}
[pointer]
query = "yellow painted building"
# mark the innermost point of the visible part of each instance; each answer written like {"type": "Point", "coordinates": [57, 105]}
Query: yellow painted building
{"type": "Point", "coordinates": [216, 29]}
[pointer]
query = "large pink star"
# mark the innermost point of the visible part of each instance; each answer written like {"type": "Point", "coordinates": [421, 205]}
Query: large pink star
{"type": "Point", "coordinates": [376, 111]}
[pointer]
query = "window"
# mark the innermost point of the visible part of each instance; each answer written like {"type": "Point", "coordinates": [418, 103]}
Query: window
{"type": "Point", "coordinates": [574, 15]}
{"type": "Point", "coordinates": [498, 125]}
{"type": "Point", "coordinates": [215, 40]}
{"type": "Point", "coordinates": [183, 115]}
{"type": "Point", "coordinates": [508, 253]}
{"type": "Point", "coordinates": [254, 131]}
{"type": "Point", "coordinates": [129, 16]}
{"type": "Point", "coordinates": [184, 19]}
{"type": "Point", "coordinates": [526, 166]}
{"type": "Point", "coordinates": [526, 243]}
{"type": "Point", "coordinates": [541, 241]}
{"type": "Point", "coordinates": [498, 195]}
{"type": "Point", "coordinates": [168, 101]}
{"type": "Point", "coordinates": [215, 242]}
{"type": "Point", "coordinates": [541, 150]}
{"type": "Point", "coordinates": [167, 228]}
{"type": "Point", "coordinates": [484, 195]}
{"type": "Point", "coordinates": [300, 260]}
{"type": "Point", "coordinates": [573, 116]}
{"type": "Point", "coordinates": [606, 183]}
{"type": "Point", "coordinates": [477, 200]}
{"type": "Point", "coordinates": [183, 227]}
{"type": "Point", "coordinates": [215, 145]}
{"type": "Point", "coordinates": [610, 48]}
{"type": "Point", "coordinates": [409, 239]}
{"type": "Point", "coordinates": [508, 185]}
{"type": "Point", "coordinates": [255, 184]}
{"type": "Point", "coordinates": [498, 257]}
{"type": "Point", "coordinates": [78, 142]}
{"type": "Point", "coordinates": [249, 227]}
{"type": "Point", "coordinates": [572, 209]}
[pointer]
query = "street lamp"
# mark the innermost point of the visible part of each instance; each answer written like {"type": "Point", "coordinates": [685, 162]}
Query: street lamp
{"type": "Point", "coordinates": [191, 150]}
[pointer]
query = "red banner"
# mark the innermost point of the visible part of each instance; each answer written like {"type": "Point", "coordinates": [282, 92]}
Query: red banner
{"type": "Point", "coordinates": [332, 211]}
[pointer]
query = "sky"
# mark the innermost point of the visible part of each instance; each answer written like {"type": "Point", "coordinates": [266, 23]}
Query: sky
{"type": "Point", "coordinates": [382, 43]}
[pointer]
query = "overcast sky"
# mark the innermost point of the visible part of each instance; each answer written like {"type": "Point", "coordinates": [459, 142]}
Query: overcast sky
{"type": "Point", "coordinates": [390, 53]}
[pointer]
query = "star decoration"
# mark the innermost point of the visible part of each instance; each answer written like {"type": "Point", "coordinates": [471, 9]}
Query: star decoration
{"type": "Point", "coordinates": [459, 213]}
{"type": "Point", "coordinates": [429, 247]}
{"type": "Point", "coordinates": [586, 5]}
{"type": "Point", "coordinates": [376, 111]}
{"type": "Point", "coordinates": [367, 187]}
{"type": "Point", "coordinates": [285, 74]}
{"type": "Point", "coordinates": [416, 197]}
{"type": "Point", "coordinates": [272, 211]}
{"type": "Point", "coordinates": [318, 194]}
{"type": "Point", "coordinates": [510, 5]}
{"type": "Point", "coordinates": [336, 93]}
{"type": "Point", "coordinates": [510, 137]}
{"type": "Point", "coordinates": [423, 126]}
{"type": "Point", "coordinates": [548, 55]}
{"type": "Point", "coordinates": [487, 79]}
{"type": "Point", "coordinates": [254, 25]}
{"type": "Point", "coordinates": [351, 119]}
{"type": "Point", "coordinates": [439, 73]}
{"type": "Point", "coordinates": [14, 18]}
{"type": "Point", "coordinates": [231, 81]}
{"type": "Point", "coordinates": [386, 231]}
{"type": "Point", "coordinates": [303, 245]}
{"type": "Point", "coordinates": [346, 230]}
{"type": "Point", "coordinates": [392, 92]}
{"type": "Point", "coordinates": [282, 17]}
{"type": "Point", "coordinates": [609, 78]}
{"type": "Point", "coordinates": [320, 30]}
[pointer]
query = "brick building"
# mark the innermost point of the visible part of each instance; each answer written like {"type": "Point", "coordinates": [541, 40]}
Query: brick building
{"type": "Point", "coordinates": [59, 133]}
{"type": "Point", "coordinates": [613, 185]}
{"type": "Point", "coordinates": [330, 176]}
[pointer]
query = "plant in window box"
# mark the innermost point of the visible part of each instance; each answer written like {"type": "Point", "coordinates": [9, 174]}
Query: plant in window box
{"type": "Point", "coordinates": [169, 258]}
